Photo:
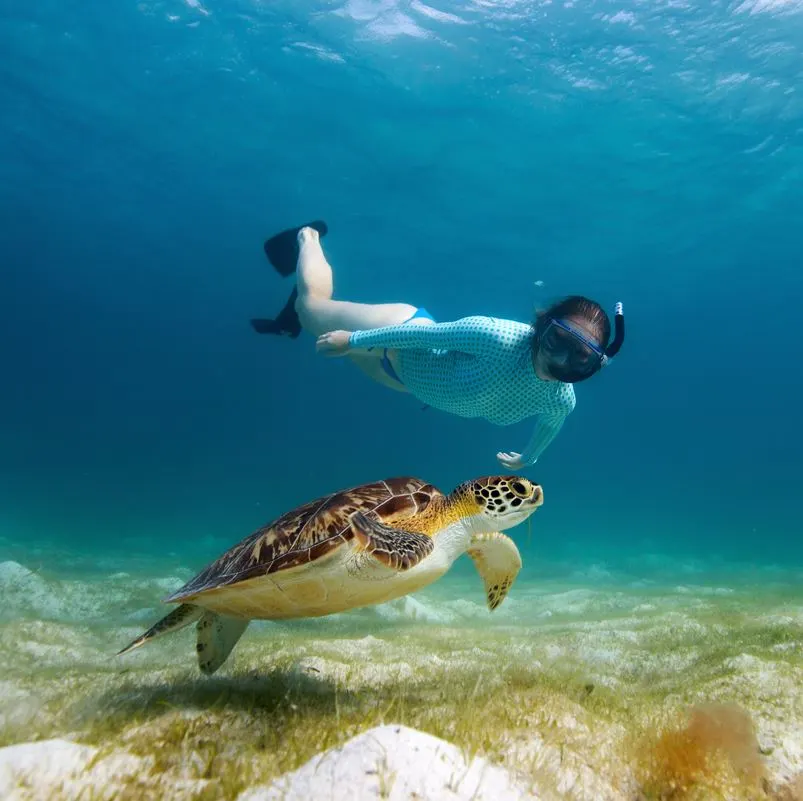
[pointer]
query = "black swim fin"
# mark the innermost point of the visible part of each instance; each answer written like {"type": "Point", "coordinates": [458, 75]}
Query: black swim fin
{"type": "Point", "coordinates": [286, 324]}
{"type": "Point", "coordinates": [282, 248]}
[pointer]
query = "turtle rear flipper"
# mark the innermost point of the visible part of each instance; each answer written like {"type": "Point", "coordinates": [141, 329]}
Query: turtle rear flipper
{"type": "Point", "coordinates": [177, 619]}
{"type": "Point", "coordinates": [498, 562]}
{"type": "Point", "coordinates": [282, 248]}
{"type": "Point", "coordinates": [393, 547]}
{"type": "Point", "coordinates": [217, 635]}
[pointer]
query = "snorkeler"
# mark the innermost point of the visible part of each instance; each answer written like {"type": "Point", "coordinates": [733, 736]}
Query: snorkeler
{"type": "Point", "coordinates": [499, 370]}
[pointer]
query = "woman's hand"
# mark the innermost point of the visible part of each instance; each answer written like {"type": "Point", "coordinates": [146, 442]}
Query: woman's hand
{"type": "Point", "coordinates": [333, 343]}
{"type": "Point", "coordinates": [512, 460]}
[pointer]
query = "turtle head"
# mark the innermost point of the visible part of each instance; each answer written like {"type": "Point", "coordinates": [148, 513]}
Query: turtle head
{"type": "Point", "coordinates": [495, 503]}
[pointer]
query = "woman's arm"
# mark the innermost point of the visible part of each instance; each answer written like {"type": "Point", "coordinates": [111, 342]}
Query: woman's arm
{"type": "Point", "coordinates": [547, 427]}
{"type": "Point", "coordinates": [475, 335]}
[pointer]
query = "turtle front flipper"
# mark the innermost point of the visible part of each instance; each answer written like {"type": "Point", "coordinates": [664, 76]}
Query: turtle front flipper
{"type": "Point", "coordinates": [177, 619]}
{"type": "Point", "coordinates": [498, 562]}
{"type": "Point", "coordinates": [392, 547]}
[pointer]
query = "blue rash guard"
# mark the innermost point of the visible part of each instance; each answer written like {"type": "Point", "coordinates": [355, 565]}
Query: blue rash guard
{"type": "Point", "coordinates": [476, 367]}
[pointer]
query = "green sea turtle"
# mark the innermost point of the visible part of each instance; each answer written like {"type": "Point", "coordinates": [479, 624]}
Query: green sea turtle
{"type": "Point", "coordinates": [353, 548]}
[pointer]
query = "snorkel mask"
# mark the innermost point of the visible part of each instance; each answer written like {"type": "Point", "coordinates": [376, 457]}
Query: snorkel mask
{"type": "Point", "coordinates": [570, 355]}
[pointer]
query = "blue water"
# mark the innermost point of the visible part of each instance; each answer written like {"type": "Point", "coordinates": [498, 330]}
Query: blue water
{"type": "Point", "coordinates": [643, 152]}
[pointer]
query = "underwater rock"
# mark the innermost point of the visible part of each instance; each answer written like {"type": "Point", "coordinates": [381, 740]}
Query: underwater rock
{"type": "Point", "coordinates": [395, 763]}
{"type": "Point", "coordinates": [25, 592]}
{"type": "Point", "coordinates": [52, 768]}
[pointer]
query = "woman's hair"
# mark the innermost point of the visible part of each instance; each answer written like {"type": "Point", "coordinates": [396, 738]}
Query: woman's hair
{"type": "Point", "coordinates": [576, 306]}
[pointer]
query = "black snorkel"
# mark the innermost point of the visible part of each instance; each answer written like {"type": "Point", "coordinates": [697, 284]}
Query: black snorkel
{"type": "Point", "coordinates": [618, 332]}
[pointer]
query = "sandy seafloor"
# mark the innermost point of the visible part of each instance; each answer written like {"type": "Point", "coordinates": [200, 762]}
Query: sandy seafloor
{"type": "Point", "coordinates": [583, 683]}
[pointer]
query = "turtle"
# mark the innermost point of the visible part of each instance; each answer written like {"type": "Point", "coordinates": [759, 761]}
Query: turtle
{"type": "Point", "coordinates": [353, 548]}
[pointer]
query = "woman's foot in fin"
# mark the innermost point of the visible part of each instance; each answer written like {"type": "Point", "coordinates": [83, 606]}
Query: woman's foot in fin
{"type": "Point", "coordinates": [282, 248]}
{"type": "Point", "coordinates": [286, 324]}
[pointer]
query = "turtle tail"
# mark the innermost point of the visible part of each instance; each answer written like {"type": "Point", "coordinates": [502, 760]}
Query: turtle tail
{"type": "Point", "coordinates": [216, 634]}
{"type": "Point", "coordinates": [177, 619]}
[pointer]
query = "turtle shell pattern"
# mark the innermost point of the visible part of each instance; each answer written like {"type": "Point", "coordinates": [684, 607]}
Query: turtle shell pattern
{"type": "Point", "coordinates": [311, 532]}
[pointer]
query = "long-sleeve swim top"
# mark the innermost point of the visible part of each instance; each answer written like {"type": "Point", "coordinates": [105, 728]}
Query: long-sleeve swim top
{"type": "Point", "coordinates": [476, 367]}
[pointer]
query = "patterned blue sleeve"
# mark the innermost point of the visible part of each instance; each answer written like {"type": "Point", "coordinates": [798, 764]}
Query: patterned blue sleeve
{"type": "Point", "coordinates": [546, 429]}
{"type": "Point", "coordinates": [550, 422]}
{"type": "Point", "coordinates": [475, 335]}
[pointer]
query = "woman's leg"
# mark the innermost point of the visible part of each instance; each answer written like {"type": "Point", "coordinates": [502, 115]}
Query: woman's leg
{"type": "Point", "coordinates": [316, 309]}
{"type": "Point", "coordinates": [319, 313]}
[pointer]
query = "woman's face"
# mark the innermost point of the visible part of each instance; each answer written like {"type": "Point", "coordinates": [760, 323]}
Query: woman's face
{"type": "Point", "coordinates": [559, 345]}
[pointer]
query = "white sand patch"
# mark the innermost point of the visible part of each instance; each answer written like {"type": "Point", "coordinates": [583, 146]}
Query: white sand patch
{"type": "Point", "coordinates": [395, 763]}
{"type": "Point", "coordinates": [40, 770]}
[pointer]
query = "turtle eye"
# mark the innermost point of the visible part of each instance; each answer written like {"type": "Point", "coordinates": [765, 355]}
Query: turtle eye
{"type": "Point", "coordinates": [520, 489]}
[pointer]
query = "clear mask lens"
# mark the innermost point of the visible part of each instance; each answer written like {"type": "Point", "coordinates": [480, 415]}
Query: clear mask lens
{"type": "Point", "coordinates": [570, 354]}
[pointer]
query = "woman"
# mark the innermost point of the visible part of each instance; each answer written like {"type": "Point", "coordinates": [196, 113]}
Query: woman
{"type": "Point", "coordinates": [499, 370]}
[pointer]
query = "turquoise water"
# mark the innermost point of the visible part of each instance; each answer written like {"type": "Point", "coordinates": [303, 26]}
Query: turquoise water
{"type": "Point", "coordinates": [648, 153]}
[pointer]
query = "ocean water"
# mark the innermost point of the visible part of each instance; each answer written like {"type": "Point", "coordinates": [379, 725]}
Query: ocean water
{"type": "Point", "coordinates": [472, 158]}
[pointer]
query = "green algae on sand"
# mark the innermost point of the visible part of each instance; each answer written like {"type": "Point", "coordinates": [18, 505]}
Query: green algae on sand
{"type": "Point", "coordinates": [568, 685]}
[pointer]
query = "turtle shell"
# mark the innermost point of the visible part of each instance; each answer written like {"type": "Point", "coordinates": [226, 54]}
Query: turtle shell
{"type": "Point", "coordinates": [310, 532]}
